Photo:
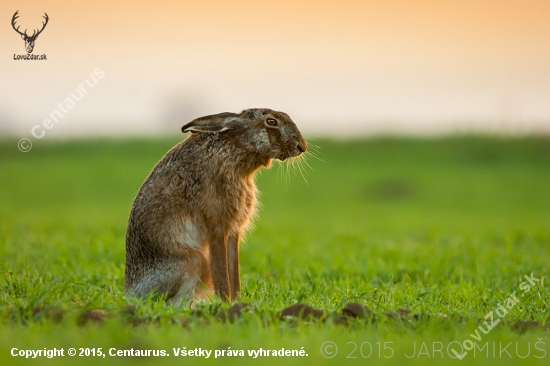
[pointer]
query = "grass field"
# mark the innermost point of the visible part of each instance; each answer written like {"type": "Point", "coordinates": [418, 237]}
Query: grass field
{"type": "Point", "coordinates": [445, 227]}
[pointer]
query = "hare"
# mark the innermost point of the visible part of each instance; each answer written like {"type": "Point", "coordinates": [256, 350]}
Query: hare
{"type": "Point", "coordinates": [194, 207]}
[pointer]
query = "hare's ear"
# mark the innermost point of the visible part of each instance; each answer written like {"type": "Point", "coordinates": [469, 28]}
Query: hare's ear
{"type": "Point", "coordinates": [215, 123]}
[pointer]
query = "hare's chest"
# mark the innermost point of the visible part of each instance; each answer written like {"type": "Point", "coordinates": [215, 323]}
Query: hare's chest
{"type": "Point", "coordinates": [246, 209]}
{"type": "Point", "coordinates": [250, 202]}
{"type": "Point", "coordinates": [231, 204]}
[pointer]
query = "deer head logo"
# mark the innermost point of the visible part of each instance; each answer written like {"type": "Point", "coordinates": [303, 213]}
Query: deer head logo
{"type": "Point", "coordinates": [29, 40]}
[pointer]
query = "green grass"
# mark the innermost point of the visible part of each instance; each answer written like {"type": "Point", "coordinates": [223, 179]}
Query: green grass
{"type": "Point", "coordinates": [445, 227]}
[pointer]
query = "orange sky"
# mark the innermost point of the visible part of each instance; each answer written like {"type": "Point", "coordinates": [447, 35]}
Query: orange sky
{"type": "Point", "coordinates": [359, 65]}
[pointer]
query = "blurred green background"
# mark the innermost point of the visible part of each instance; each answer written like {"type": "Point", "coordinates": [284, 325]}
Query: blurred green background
{"type": "Point", "coordinates": [378, 186]}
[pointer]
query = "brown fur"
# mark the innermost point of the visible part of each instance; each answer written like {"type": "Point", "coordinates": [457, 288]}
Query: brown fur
{"type": "Point", "coordinates": [194, 207]}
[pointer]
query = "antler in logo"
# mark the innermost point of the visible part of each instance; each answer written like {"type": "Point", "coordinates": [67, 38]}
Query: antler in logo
{"type": "Point", "coordinates": [29, 40]}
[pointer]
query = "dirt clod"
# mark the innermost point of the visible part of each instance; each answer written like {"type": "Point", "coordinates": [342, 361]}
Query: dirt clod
{"type": "Point", "coordinates": [403, 312]}
{"type": "Point", "coordinates": [522, 326]}
{"type": "Point", "coordinates": [234, 312]}
{"type": "Point", "coordinates": [94, 316]}
{"type": "Point", "coordinates": [46, 312]}
{"type": "Point", "coordinates": [302, 311]}
{"type": "Point", "coordinates": [129, 310]}
{"type": "Point", "coordinates": [341, 320]}
{"type": "Point", "coordinates": [399, 314]}
{"type": "Point", "coordinates": [356, 310]}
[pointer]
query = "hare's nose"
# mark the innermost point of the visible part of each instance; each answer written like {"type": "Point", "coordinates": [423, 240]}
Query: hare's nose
{"type": "Point", "coordinates": [302, 147]}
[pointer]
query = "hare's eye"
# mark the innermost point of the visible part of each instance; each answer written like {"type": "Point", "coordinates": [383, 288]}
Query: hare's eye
{"type": "Point", "coordinates": [271, 122]}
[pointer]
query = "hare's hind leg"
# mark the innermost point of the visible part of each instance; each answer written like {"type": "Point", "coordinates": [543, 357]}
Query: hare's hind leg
{"type": "Point", "coordinates": [194, 280]}
{"type": "Point", "coordinates": [186, 277]}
